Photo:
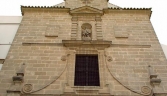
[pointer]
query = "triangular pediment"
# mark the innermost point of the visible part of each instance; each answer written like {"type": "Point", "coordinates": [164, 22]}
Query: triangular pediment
{"type": "Point", "coordinates": [86, 10]}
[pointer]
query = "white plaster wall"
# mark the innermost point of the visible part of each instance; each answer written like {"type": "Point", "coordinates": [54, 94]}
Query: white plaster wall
{"type": "Point", "coordinates": [4, 50]}
{"type": "Point", "coordinates": [8, 28]}
{"type": "Point", "coordinates": [10, 19]}
{"type": "Point", "coordinates": [7, 33]}
{"type": "Point", "coordinates": [164, 47]}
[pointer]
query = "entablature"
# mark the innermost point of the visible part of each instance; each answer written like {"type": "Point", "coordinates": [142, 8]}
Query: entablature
{"type": "Point", "coordinates": [98, 44]}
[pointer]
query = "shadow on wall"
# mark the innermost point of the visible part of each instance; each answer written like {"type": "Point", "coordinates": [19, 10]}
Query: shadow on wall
{"type": "Point", "coordinates": [164, 47]}
{"type": "Point", "coordinates": [0, 66]}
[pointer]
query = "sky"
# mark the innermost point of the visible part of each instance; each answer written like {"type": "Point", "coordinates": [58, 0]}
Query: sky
{"type": "Point", "coordinates": [158, 18]}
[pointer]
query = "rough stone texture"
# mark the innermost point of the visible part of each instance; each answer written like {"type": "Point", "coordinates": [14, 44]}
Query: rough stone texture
{"type": "Point", "coordinates": [99, 4]}
{"type": "Point", "coordinates": [124, 74]}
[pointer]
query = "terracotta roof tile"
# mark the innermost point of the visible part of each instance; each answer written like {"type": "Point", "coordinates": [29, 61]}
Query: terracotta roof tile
{"type": "Point", "coordinates": [132, 8]}
{"type": "Point", "coordinates": [62, 5]}
{"type": "Point", "coordinates": [42, 7]}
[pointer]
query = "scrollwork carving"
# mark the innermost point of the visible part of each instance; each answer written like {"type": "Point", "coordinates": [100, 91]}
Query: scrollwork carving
{"type": "Point", "coordinates": [146, 90]}
{"type": "Point", "coordinates": [109, 58]}
{"type": "Point", "coordinates": [27, 88]}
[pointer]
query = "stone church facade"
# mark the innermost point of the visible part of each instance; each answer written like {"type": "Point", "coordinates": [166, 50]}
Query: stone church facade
{"type": "Point", "coordinates": [84, 48]}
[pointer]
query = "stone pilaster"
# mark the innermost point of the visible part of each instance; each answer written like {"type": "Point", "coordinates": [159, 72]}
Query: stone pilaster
{"type": "Point", "coordinates": [74, 28]}
{"type": "Point", "coordinates": [99, 28]}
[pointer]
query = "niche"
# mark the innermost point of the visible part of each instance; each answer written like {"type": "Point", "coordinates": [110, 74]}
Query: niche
{"type": "Point", "coordinates": [86, 31]}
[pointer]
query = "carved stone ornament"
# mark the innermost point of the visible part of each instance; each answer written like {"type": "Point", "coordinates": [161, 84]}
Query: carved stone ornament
{"type": "Point", "coordinates": [17, 78]}
{"type": "Point", "coordinates": [146, 90]}
{"type": "Point", "coordinates": [86, 1]}
{"type": "Point", "coordinates": [64, 58]}
{"type": "Point", "coordinates": [27, 88]}
{"type": "Point", "coordinates": [109, 58]}
{"type": "Point", "coordinates": [86, 31]}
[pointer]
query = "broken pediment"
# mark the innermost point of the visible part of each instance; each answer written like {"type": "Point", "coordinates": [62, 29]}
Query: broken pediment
{"type": "Point", "coordinates": [86, 10]}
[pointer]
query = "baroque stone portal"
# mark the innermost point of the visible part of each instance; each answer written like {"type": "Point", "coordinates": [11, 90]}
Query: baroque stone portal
{"type": "Point", "coordinates": [86, 31]}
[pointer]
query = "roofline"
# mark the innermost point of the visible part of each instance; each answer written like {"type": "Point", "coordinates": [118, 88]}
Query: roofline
{"type": "Point", "coordinates": [141, 9]}
{"type": "Point", "coordinates": [92, 7]}
{"type": "Point", "coordinates": [130, 8]}
{"type": "Point", "coordinates": [42, 7]}
{"type": "Point", "coordinates": [63, 7]}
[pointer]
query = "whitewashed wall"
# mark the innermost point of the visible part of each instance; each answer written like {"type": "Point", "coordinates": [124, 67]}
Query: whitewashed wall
{"type": "Point", "coordinates": [164, 47]}
{"type": "Point", "coordinates": [8, 28]}
{"type": "Point", "coordinates": [3, 51]}
{"type": "Point", "coordinates": [7, 33]}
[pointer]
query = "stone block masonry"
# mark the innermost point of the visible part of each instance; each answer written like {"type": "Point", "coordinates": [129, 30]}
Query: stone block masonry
{"type": "Point", "coordinates": [125, 44]}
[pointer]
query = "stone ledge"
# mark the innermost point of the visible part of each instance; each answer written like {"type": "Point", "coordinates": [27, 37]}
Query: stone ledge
{"type": "Point", "coordinates": [13, 91]}
{"type": "Point", "coordinates": [155, 80]}
{"type": "Point", "coordinates": [39, 43]}
{"type": "Point", "coordinates": [95, 43]}
{"type": "Point", "coordinates": [99, 44]}
{"type": "Point", "coordinates": [131, 46]}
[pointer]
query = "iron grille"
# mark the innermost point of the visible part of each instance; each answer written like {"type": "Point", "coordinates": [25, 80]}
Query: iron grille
{"type": "Point", "coordinates": [86, 70]}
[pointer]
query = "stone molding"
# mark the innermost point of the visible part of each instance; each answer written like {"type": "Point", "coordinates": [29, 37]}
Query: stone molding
{"type": "Point", "coordinates": [131, 46]}
{"type": "Point", "coordinates": [70, 74]}
{"type": "Point", "coordinates": [74, 28]}
{"type": "Point", "coordinates": [94, 43]}
{"type": "Point", "coordinates": [86, 10]}
{"type": "Point", "coordinates": [99, 33]}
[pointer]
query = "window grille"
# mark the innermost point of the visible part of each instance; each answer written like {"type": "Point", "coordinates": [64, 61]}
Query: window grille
{"type": "Point", "coordinates": [86, 70]}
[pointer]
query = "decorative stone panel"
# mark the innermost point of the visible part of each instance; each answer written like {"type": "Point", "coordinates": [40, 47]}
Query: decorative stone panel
{"type": "Point", "coordinates": [122, 31]}
{"type": "Point", "coordinates": [86, 31]}
{"type": "Point", "coordinates": [74, 28]}
{"type": "Point", "coordinates": [99, 28]}
{"type": "Point", "coordinates": [52, 30]}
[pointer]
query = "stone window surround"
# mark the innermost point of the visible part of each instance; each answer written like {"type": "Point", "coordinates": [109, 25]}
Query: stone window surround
{"type": "Point", "coordinates": [86, 47]}
{"type": "Point", "coordinates": [71, 67]}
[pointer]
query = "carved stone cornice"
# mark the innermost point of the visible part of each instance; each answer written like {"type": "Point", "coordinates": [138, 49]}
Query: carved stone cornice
{"type": "Point", "coordinates": [86, 10]}
{"type": "Point", "coordinates": [81, 43]}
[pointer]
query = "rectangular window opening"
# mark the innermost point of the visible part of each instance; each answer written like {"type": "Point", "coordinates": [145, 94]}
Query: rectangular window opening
{"type": "Point", "coordinates": [86, 70]}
